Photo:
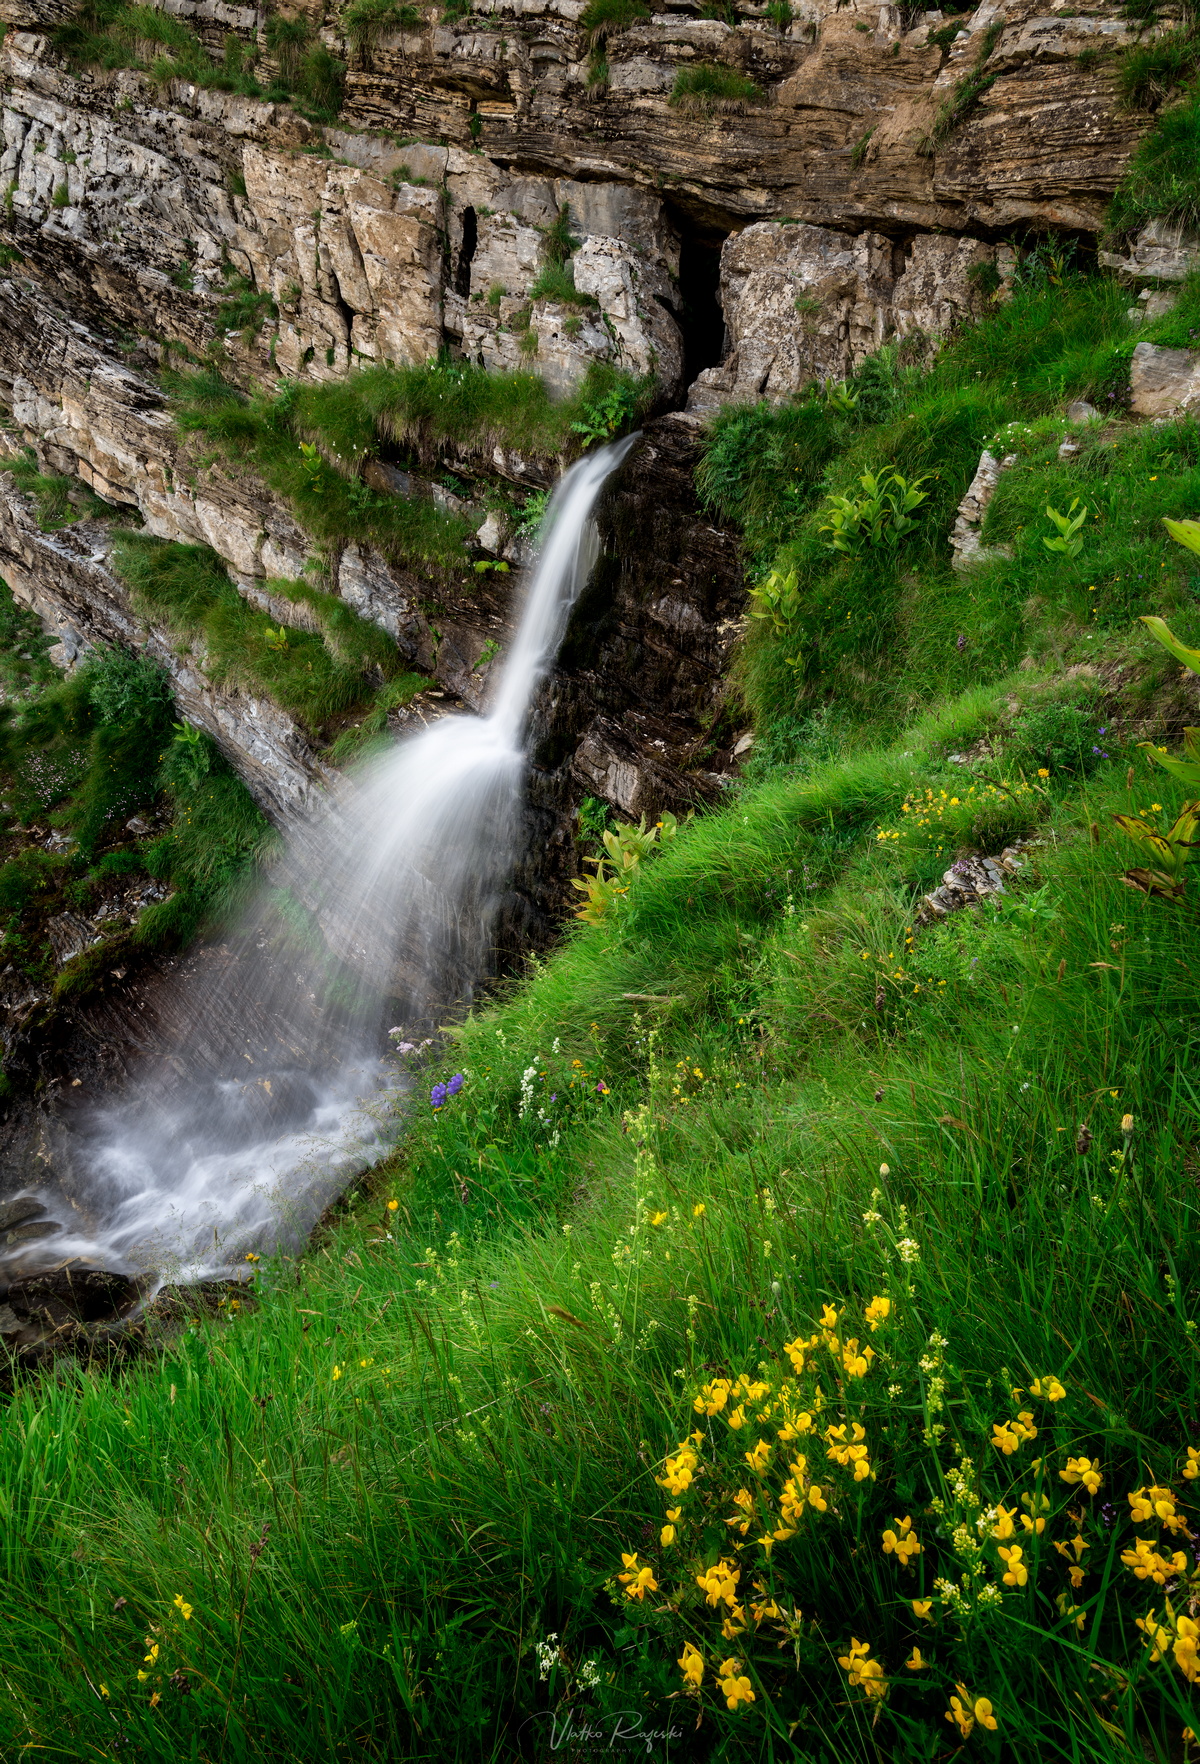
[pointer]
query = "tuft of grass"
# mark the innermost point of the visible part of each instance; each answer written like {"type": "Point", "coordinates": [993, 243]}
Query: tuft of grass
{"type": "Point", "coordinates": [712, 87]}
{"type": "Point", "coordinates": [365, 22]}
{"type": "Point", "coordinates": [602, 19]}
{"type": "Point", "coordinates": [60, 500]}
{"type": "Point", "coordinates": [1150, 73]}
{"type": "Point", "coordinates": [966, 96]}
{"type": "Point", "coordinates": [556, 281]}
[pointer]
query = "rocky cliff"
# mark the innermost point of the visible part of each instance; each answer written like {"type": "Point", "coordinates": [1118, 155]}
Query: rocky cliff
{"type": "Point", "coordinates": [738, 204]}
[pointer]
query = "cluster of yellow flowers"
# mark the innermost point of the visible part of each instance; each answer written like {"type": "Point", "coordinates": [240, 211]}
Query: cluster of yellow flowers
{"type": "Point", "coordinates": [777, 1490]}
{"type": "Point", "coordinates": [1175, 1634]}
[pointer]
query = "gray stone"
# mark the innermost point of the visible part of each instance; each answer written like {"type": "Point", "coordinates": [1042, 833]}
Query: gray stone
{"type": "Point", "coordinates": [1163, 381]}
{"type": "Point", "coordinates": [1080, 411]}
{"type": "Point", "coordinates": [19, 1211]}
{"type": "Point", "coordinates": [965, 539]}
{"type": "Point", "coordinates": [1160, 253]}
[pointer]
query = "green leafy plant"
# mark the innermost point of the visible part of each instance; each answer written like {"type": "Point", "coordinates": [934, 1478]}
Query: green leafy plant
{"type": "Point", "coordinates": [1068, 541]}
{"type": "Point", "coordinates": [556, 281]}
{"type": "Point", "coordinates": [883, 514]}
{"type": "Point", "coordinates": [776, 599]}
{"type": "Point", "coordinates": [625, 847]}
{"type": "Point", "coordinates": [608, 414]}
{"type": "Point", "coordinates": [780, 13]}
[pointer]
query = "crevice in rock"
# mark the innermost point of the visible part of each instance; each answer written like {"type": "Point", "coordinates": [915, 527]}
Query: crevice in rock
{"type": "Point", "coordinates": [700, 317]}
{"type": "Point", "coordinates": [470, 238]}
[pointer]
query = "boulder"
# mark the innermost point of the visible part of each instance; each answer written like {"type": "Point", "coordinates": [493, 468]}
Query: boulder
{"type": "Point", "coordinates": [1163, 381]}
{"type": "Point", "coordinates": [965, 539]}
{"type": "Point", "coordinates": [1160, 253]}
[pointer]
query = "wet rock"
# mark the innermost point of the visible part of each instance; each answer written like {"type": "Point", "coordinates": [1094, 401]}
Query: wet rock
{"type": "Point", "coordinates": [19, 1211]}
{"type": "Point", "coordinates": [31, 1233]}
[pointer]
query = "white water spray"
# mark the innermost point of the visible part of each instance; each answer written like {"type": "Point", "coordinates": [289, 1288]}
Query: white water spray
{"type": "Point", "coordinates": [274, 1091]}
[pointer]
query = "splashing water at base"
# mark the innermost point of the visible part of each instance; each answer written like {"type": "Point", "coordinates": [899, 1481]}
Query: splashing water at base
{"type": "Point", "coordinates": [274, 1091]}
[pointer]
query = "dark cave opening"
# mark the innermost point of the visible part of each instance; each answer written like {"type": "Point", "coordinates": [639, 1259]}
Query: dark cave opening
{"type": "Point", "coordinates": [470, 238]}
{"type": "Point", "coordinates": [700, 317]}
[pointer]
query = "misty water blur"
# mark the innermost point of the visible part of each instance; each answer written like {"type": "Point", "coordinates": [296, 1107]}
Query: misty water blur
{"type": "Point", "coordinates": [276, 1087]}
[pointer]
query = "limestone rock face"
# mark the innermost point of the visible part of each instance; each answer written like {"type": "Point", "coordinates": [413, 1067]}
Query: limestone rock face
{"type": "Point", "coordinates": [805, 303]}
{"type": "Point", "coordinates": [965, 537]}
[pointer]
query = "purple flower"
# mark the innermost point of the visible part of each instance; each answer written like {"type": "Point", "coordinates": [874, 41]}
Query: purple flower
{"type": "Point", "coordinates": [602, 1088]}
{"type": "Point", "coordinates": [554, 1096]}
{"type": "Point", "coordinates": [455, 1085]}
{"type": "Point", "coordinates": [960, 642]}
{"type": "Point", "coordinates": [437, 1096]}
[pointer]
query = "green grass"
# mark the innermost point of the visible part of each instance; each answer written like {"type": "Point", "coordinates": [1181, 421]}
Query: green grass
{"type": "Point", "coordinates": [876, 638]}
{"type": "Point", "coordinates": [712, 87]}
{"type": "Point", "coordinates": [1162, 181]}
{"type": "Point", "coordinates": [111, 34]}
{"type": "Point", "coordinates": [445, 1426]}
{"type": "Point", "coordinates": [434, 413]}
{"type": "Point", "coordinates": [1149, 73]}
{"type": "Point", "coordinates": [602, 19]}
{"type": "Point", "coordinates": [557, 282]}
{"type": "Point", "coordinates": [315, 678]}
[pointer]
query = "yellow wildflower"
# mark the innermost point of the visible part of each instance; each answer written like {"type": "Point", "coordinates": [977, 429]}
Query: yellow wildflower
{"type": "Point", "coordinates": [878, 1311]}
{"type": "Point", "coordinates": [816, 1499]}
{"type": "Point", "coordinates": [1147, 1504]}
{"type": "Point", "coordinates": [863, 1672]}
{"type": "Point", "coordinates": [337, 1373]}
{"type": "Point", "coordinates": [1016, 1574]}
{"type": "Point", "coordinates": [983, 1713]}
{"type": "Point", "coordinates": [691, 1662]}
{"type": "Point", "coordinates": [902, 1543]}
{"type": "Point", "coordinates": [657, 1218]}
{"type": "Point", "coordinates": [719, 1584]}
{"type": "Point", "coordinates": [915, 1663]}
{"type": "Point", "coordinates": [637, 1581]}
{"type": "Point", "coordinates": [392, 1205]}
{"type": "Point", "coordinates": [1004, 1526]}
{"type": "Point", "coordinates": [759, 1458]}
{"type": "Point", "coordinates": [678, 1470]}
{"type": "Point", "coordinates": [856, 1361]}
{"type": "Point", "coordinates": [713, 1397]}
{"type": "Point", "coordinates": [182, 1606]}
{"type": "Point", "coordinates": [666, 1536]}
{"type": "Point", "coordinates": [735, 1624]}
{"type": "Point", "coordinates": [699, 1210]}
{"type": "Point", "coordinates": [1145, 1561]}
{"type": "Point", "coordinates": [1192, 1468]}
{"type": "Point", "coordinates": [960, 1713]}
{"type": "Point", "coordinates": [734, 1686]}
{"type": "Point", "coordinates": [1048, 1389]}
{"type": "Point", "coordinates": [923, 1608]}
{"type": "Point", "coordinates": [1085, 1471]}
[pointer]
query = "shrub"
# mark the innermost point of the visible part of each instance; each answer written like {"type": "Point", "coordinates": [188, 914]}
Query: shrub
{"type": "Point", "coordinates": [712, 87]}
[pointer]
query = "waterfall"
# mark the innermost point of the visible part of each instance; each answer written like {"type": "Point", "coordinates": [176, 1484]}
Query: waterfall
{"type": "Point", "coordinates": [270, 1086]}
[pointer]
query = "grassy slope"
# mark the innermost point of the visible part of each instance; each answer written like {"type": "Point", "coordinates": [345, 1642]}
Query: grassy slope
{"type": "Point", "coordinates": [451, 1416]}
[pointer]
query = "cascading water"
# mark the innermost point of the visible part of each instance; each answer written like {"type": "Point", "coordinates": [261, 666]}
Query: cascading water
{"type": "Point", "coordinates": [275, 1089]}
